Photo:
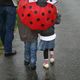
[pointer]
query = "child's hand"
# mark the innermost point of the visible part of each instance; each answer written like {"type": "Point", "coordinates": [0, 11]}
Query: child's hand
{"type": "Point", "coordinates": [58, 20]}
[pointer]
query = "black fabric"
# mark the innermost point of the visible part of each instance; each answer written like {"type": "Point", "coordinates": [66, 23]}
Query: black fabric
{"type": "Point", "coordinates": [51, 49]}
{"type": "Point", "coordinates": [45, 54]}
{"type": "Point", "coordinates": [6, 2]}
{"type": "Point", "coordinates": [58, 20]}
{"type": "Point", "coordinates": [48, 32]}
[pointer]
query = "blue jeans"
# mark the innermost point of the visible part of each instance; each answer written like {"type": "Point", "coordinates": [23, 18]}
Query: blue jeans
{"type": "Point", "coordinates": [30, 52]}
{"type": "Point", "coordinates": [7, 24]}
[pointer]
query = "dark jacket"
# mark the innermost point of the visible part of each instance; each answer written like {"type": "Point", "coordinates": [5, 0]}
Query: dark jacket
{"type": "Point", "coordinates": [51, 30]}
{"type": "Point", "coordinates": [48, 32]}
{"type": "Point", "coordinates": [8, 2]}
{"type": "Point", "coordinates": [26, 34]}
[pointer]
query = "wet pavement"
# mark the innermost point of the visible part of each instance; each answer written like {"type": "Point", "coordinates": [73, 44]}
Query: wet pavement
{"type": "Point", "coordinates": [67, 51]}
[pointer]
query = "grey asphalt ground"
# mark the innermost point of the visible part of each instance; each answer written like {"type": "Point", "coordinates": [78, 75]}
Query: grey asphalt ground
{"type": "Point", "coordinates": [67, 51]}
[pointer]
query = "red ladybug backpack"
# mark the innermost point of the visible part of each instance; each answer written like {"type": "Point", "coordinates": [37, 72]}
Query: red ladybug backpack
{"type": "Point", "coordinates": [38, 15]}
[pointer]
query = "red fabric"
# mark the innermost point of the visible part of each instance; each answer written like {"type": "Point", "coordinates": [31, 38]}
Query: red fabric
{"type": "Point", "coordinates": [36, 17]}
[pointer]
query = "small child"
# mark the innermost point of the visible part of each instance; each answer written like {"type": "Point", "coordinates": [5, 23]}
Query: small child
{"type": "Point", "coordinates": [47, 43]}
{"type": "Point", "coordinates": [29, 37]}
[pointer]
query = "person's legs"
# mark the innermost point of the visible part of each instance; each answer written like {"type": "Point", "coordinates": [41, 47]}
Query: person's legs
{"type": "Point", "coordinates": [49, 48]}
{"type": "Point", "coordinates": [27, 53]}
{"type": "Point", "coordinates": [43, 46]}
{"type": "Point", "coordinates": [10, 24]}
{"type": "Point", "coordinates": [33, 51]}
{"type": "Point", "coordinates": [2, 35]}
{"type": "Point", "coordinates": [51, 52]}
{"type": "Point", "coordinates": [45, 55]}
{"type": "Point", "coordinates": [2, 24]}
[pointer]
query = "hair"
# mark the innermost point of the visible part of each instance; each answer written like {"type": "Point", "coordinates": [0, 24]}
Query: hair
{"type": "Point", "coordinates": [42, 3]}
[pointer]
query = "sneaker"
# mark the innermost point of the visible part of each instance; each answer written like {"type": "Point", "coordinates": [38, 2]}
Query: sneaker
{"type": "Point", "coordinates": [46, 64]}
{"type": "Point", "coordinates": [52, 58]}
{"type": "Point", "coordinates": [26, 63]}
{"type": "Point", "coordinates": [32, 67]}
{"type": "Point", "coordinates": [9, 53]}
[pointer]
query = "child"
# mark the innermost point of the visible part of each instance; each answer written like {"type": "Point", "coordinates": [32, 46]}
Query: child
{"type": "Point", "coordinates": [47, 43]}
{"type": "Point", "coordinates": [29, 37]}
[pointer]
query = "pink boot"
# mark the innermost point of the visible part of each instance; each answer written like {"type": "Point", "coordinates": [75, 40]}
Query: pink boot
{"type": "Point", "coordinates": [52, 57]}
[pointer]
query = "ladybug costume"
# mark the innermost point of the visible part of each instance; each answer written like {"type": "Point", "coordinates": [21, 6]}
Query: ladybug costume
{"type": "Point", "coordinates": [38, 15]}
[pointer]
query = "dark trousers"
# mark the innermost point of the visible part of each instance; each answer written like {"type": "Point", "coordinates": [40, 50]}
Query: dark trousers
{"type": "Point", "coordinates": [45, 53]}
{"type": "Point", "coordinates": [7, 24]}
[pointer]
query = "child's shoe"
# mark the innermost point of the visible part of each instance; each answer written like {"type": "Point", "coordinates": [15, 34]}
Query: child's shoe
{"type": "Point", "coordinates": [46, 64]}
{"type": "Point", "coordinates": [52, 57]}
